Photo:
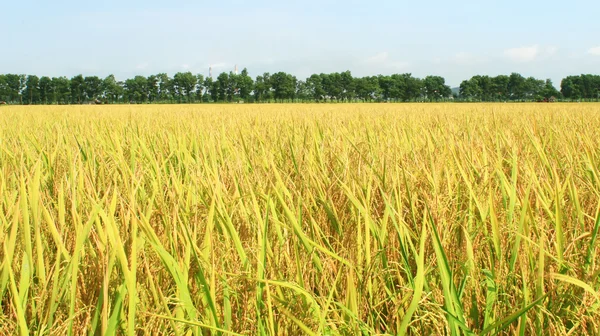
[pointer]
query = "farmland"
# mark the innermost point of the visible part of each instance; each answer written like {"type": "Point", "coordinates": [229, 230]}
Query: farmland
{"type": "Point", "coordinates": [287, 219]}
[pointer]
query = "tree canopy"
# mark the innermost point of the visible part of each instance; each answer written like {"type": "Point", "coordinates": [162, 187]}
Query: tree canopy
{"type": "Point", "coordinates": [186, 87]}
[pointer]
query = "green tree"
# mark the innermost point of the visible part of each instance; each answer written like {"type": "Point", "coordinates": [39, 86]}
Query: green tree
{"type": "Point", "coordinates": [284, 86]}
{"type": "Point", "coordinates": [112, 89]}
{"type": "Point", "coordinates": [367, 88]}
{"type": "Point", "coordinates": [222, 86]}
{"type": "Point", "coordinates": [315, 87]}
{"type": "Point", "coordinates": [246, 85]}
{"type": "Point", "coordinates": [212, 89]}
{"type": "Point", "coordinates": [388, 87]}
{"type": "Point", "coordinates": [534, 88]}
{"type": "Point", "coordinates": [500, 86]}
{"type": "Point", "coordinates": [165, 87]}
{"type": "Point", "coordinates": [153, 88]}
{"type": "Point", "coordinates": [13, 88]}
{"type": "Point", "coordinates": [302, 91]}
{"type": "Point", "coordinates": [136, 89]}
{"type": "Point", "coordinates": [516, 86]}
{"type": "Point", "coordinates": [487, 87]}
{"type": "Point", "coordinates": [61, 90]}
{"type": "Point", "coordinates": [46, 89]}
{"type": "Point", "coordinates": [435, 88]}
{"type": "Point", "coordinates": [470, 90]}
{"type": "Point", "coordinates": [184, 84]}
{"type": "Point", "coordinates": [262, 87]}
{"type": "Point", "coordinates": [32, 90]}
{"type": "Point", "coordinates": [589, 86]}
{"type": "Point", "coordinates": [348, 86]}
{"type": "Point", "coordinates": [581, 87]}
{"type": "Point", "coordinates": [92, 87]}
{"type": "Point", "coordinates": [77, 89]}
{"type": "Point", "coordinates": [200, 88]}
{"type": "Point", "coordinates": [412, 87]}
{"type": "Point", "coordinates": [549, 90]}
{"type": "Point", "coordinates": [232, 86]}
{"type": "Point", "coordinates": [569, 88]}
{"type": "Point", "coordinates": [400, 87]}
{"type": "Point", "coordinates": [4, 90]}
{"type": "Point", "coordinates": [332, 84]}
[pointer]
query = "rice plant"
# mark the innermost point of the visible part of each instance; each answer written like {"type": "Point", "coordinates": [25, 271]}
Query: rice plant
{"type": "Point", "coordinates": [383, 219]}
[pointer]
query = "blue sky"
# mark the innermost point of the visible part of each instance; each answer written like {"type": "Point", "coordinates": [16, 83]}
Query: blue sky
{"type": "Point", "coordinates": [454, 39]}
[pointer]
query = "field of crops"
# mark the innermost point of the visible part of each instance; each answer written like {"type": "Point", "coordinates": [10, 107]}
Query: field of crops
{"type": "Point", "coordinates": [300, 219]}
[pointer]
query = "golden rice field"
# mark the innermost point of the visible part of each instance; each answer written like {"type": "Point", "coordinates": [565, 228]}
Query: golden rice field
{"type": "Point", "coordinates": [367, 219]}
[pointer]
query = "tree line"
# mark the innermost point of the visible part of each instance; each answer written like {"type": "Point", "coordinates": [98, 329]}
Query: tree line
{"type": "Point", "coordinates": [186, 87]}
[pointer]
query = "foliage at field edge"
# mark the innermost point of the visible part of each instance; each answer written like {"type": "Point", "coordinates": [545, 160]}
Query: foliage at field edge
{"type": "Point", "coordinates": [300, 219]}
{"type": "Point", "coordinates": [186, 87]}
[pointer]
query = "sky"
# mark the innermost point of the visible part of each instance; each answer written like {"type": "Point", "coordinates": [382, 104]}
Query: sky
{"type": "Point", "coordinates": [453, 39]}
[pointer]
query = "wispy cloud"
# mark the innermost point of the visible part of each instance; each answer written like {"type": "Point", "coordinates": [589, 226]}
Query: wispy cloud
{"type": "Point", "coordinates": [380, 58]}
{"type": "Point", "coordinates": [268, 60]}
{"type": "Point", "coordinates": [464, 57]}
{"type": "Point", "coordinates": [383, 59]}
{"type": "Point", "coordinates": [399, 65]}
{"type": "Point", "coordinates": [594, 51]}
{"type": "Point", "coordinates": [219, 65]}
{"type": "Point", "coordinates": [551, 50]}
{"type": "Point", "coordinates": [530, 53]}
{"type": "Point", "coordinates": [142, 66]}
{"type": "Point", "coordinates": [522, 54]}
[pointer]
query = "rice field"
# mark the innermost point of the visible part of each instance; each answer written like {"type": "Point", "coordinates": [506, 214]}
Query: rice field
{"type": "Point", "coordinates": [364, 219]}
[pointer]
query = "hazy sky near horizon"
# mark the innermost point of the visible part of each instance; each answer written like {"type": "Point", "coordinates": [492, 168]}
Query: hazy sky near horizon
{"type": "Point", "coordinates": [456, 40]}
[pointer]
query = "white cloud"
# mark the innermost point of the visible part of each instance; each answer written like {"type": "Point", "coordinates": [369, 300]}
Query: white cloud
{"type": "Point", "coordinates": [523, 54]}
{"type": "Point", "coordinates": [551, 50]}
{"type": "Point", "coordinates": [384, 60]}
{"type": "Point", "coordinates": [594, 51]}
{"type": "Point", "coordinates": [142, 66]}
{"type": "Point", "coordinates": [531, 53]}
{"type": "Point", "coordinates": [219, 65]}
{"type": "Point", "coordinates": [380, 58]}
{"type": "Point", "coordinates": [465, 58]}
{"type": "Point", "coordinates": [269, 60]}
{"type": "Point", "coordinates": [398, 65]}
{"type": "Point", "coordinates": [185, 66]}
